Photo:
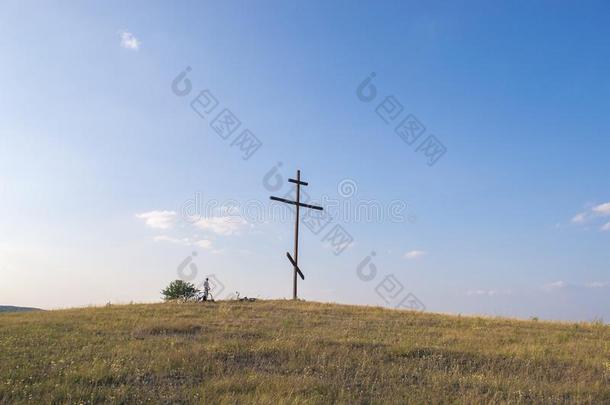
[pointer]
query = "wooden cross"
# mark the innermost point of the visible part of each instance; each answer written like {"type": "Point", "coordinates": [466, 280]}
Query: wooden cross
{"type": "Point", "coordinates": [295, 261]}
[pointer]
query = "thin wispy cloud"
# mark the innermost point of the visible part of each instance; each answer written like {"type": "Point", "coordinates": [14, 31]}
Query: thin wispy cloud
{"type": "Point", "coordinates": [223, 225]}
{"type": "Point", "coordinates": [489, 293]}
{"type": "Point", "coordinates": [165, 238]}
{"type": "Point", "coordinates": [204, 244]}
{"type": "Point", "coordinates": [415, 254]}
{"type": "Point", "coordinates": [555, 285]}
{"type": "Point", "coordinates": [592, 215]}
{"type": "Point", "coordinates": [563, 285]}
{"type": "Point", "coordinates": [201, 243]}
{"type": "Point", "coordinates": [597, 284]}
{"type": "Point", "coordinates": [158, 219]}
{"type": "Point", "coordinates": [602, 209]}
{"type": "Point", "coordinates": [552, 287]}
{"type": "Point", "coordinates": [579, 218]}
{"type": "Point", "coordinates": [129, 41]}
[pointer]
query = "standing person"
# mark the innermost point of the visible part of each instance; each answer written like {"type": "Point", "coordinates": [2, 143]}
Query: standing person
{"type": "Point", "coordinates": [206, 289]}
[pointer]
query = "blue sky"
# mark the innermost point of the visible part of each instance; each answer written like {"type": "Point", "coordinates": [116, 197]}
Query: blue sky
{"type": "Point", "coordinates": [99, 156]}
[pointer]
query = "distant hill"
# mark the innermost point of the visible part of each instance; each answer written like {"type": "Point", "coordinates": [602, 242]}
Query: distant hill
{"type": "Point", "coordinates": [9, 308]}
{"type": "Point", "coordinates": [287, 352]}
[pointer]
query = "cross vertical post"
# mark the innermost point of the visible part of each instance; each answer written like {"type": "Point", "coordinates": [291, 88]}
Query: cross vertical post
{"type": "Point", "coordinates": [299, 204]}
{"type": "Point", "coordinates": [296, 238]}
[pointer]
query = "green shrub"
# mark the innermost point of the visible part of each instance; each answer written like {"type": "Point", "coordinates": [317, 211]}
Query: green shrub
{"type": "Point", "coordinates": [179, 290]}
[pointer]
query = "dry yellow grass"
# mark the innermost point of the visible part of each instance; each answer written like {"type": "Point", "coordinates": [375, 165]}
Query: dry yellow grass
{"type": "Point", "coordinates": [296, 352]}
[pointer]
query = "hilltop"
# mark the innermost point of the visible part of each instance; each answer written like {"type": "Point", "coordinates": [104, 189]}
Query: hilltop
{"type": "Point", "coordinates": [296, 352]}
{"type": "Point", "coordinates": [10, 308]}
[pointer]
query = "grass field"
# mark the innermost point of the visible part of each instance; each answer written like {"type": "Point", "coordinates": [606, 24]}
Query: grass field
{"type": "Point", "coordinates": [296, 352]}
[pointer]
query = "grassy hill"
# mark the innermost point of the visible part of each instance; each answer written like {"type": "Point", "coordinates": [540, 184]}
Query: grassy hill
{"type": "Point", "coordinates": [10, 308]}
{"type": "Point", "coordinates": [296, 352]}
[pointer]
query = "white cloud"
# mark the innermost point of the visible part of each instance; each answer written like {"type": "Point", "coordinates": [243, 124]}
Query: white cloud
{"type": "Point", "coordinates": [489, 293]}
{"type": "Point", "coordinates": [602, 209]}
{"type": "Point", "coordinates": [229, 210]}
{"type": "Point", "coordinates": [481, 292]}
{"type": "Point", "coordinates": [204, 243]}
{"type": "Point", "coordinates": [597, 284]}
{"type": "Point", "coordinates": [129, 41]}
{"type": "Point", "coordinates": [227, 225]}
{"type": "Point", "coordinates": [562, 285]}
{"type": "Point", "coordinates": [557, 285]}
{"type": "Point", "coordinates": [579, 218]}
{"type": "Point", "coordinates": [158, 219]}
{"type": "Point", "coordinates": [415, 254]}
{"type": "Point", "coordinates": [164, 238]}
{"type": "Point", "coordinates": [201, 243]}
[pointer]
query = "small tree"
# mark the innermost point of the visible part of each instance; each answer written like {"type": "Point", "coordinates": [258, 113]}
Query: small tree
{"type": "Point", "coordinates": [179, 289]}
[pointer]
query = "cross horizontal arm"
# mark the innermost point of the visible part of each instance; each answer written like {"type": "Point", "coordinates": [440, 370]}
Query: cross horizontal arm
{"type": "Point", "coordinates": [295, 266]}
{"type": "Point", "coordinates": [303, 183]}
{"type": "Point", "coordinates": [313, 207]}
